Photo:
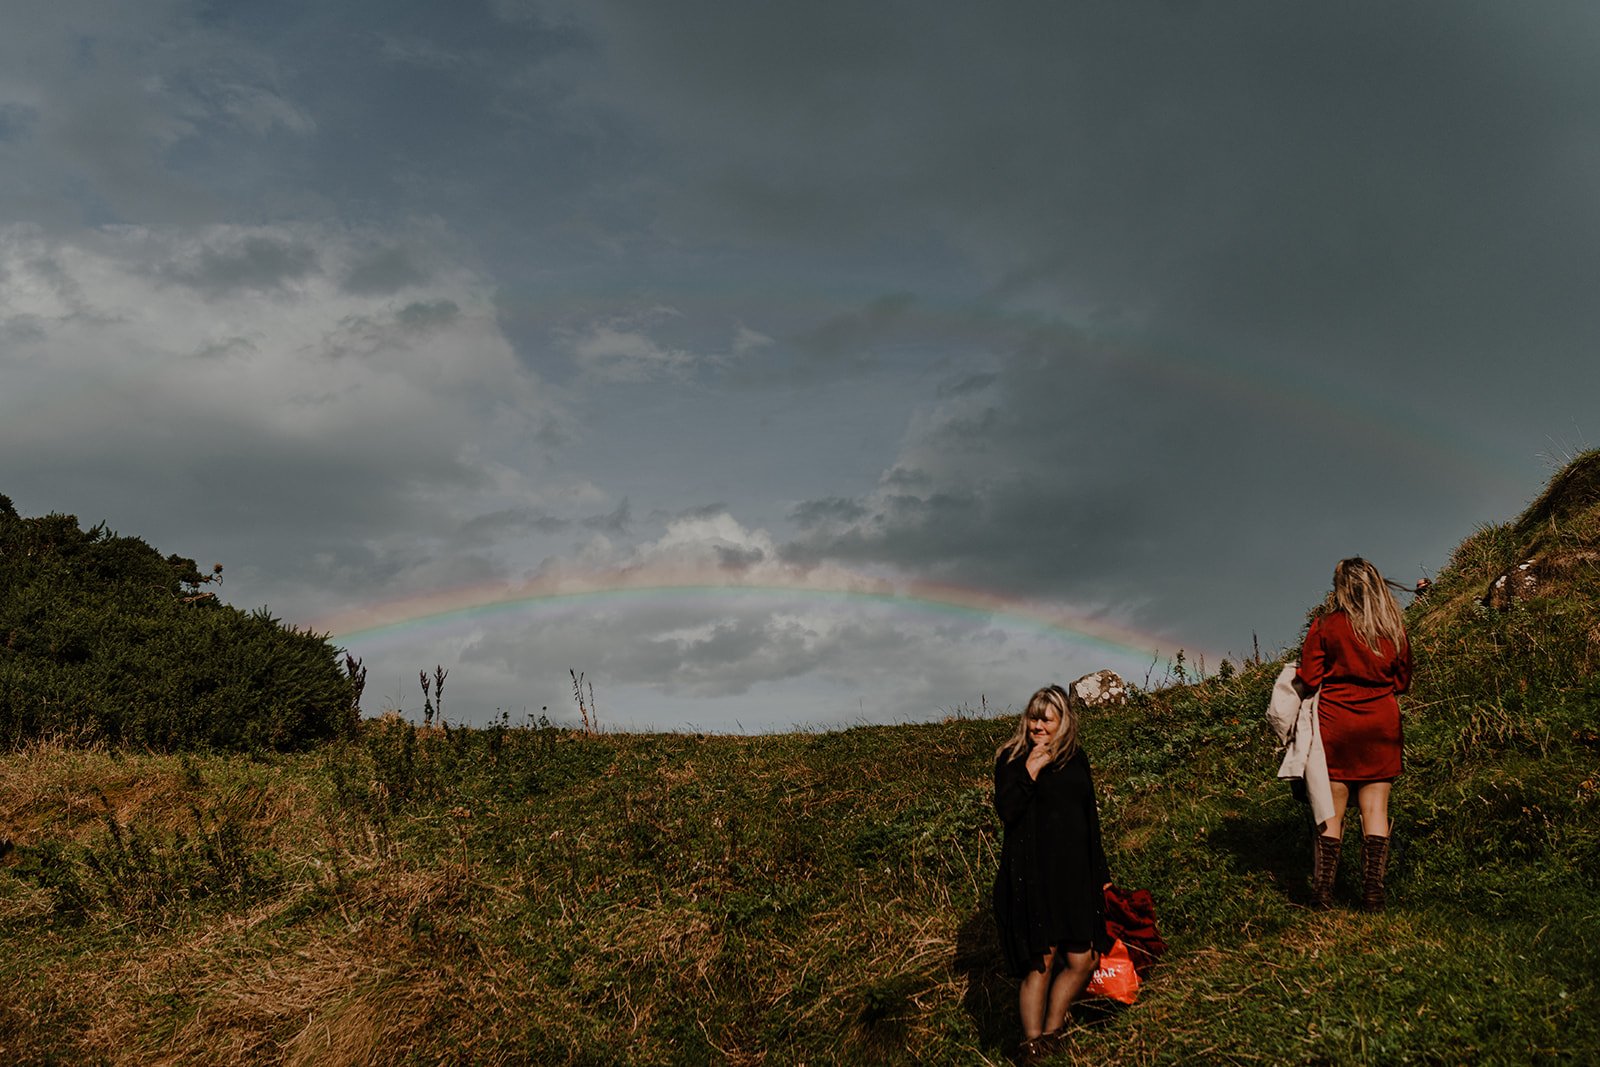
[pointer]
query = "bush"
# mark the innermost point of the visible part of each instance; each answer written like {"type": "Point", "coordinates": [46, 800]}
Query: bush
{"type": "Point", "coordinates": [103, 639]}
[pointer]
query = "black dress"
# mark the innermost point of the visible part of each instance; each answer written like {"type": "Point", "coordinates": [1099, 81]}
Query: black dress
{"type": "Point", "coordinates": [1049, 892]}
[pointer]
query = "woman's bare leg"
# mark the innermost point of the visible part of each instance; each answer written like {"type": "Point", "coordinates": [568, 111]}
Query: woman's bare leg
{"type": "Point", "coordinates": [1373, 799]}
{"type": "Point", "coordinates": [1032, 996]}
{"type": "Point", "coordinates": [1334, 827]}
{"type": "Point", "coordinates": [1069, 982]}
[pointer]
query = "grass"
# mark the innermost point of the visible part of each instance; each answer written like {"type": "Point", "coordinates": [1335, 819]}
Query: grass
{"type": "Point", "coordinates": [509, 895]}
{"type": "Point", "coordinates": [803, 898]}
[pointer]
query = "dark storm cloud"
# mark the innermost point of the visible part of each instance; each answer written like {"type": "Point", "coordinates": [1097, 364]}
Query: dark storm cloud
{"type": "Point", "coordinates": [495, 526]}
{"type": "Point", "coordinates": [46, 270]}
{"type": "Point", "coordinates": [615, 521]}
{"type": "Point", "coordinates": [855, 332]}
{"type": "Point", "coordinates": [146, 114]}
{"type": "Point", "coordinates": [367, 334]}
{"type": "Point", "coordinates": [702, 511]}
{"type": "Point", "coordinates": [383, 271]}
{"type": "Point", "coordinates": [424, 316]}
{"type": "Point", "coordinates": [1026, 537]}
{"type": "Point", "coordinates": [16, 121]}
{"type": "Point", "coordinates": [224, 347]}
{"type": "Point", "coordinates": [738, 559]}
{"type": "Point", "coordinates": [1300, 244]}
{"type": "Point", "coordinates": [971, 383]}
{"type": "Point", "coordinates": [1366, 178]}
{"type": "Point", "coordinates": [833, 509]}
{"type": "Point", "coordinates": [1177, 507]}
{"type": "Point", "coordinates": [248, 263]}
{"type": "Point", "coordinates": [846, 344]}
{"type": "Point", "coordinates": [905, 478]}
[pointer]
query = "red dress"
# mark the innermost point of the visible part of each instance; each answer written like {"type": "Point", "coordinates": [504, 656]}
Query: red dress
{"type": "Point", "coordinates": [1357, 711]}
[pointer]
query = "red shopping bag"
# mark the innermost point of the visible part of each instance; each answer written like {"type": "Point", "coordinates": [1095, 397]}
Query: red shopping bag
{"type": "Point", "coordinates": [1115, 977]}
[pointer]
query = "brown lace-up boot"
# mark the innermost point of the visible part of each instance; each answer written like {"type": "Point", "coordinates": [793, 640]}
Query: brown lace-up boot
{"type": "Point", "coordinates": [1374, 864]}
{"type": "Point", "coordinates": [1324, 869]}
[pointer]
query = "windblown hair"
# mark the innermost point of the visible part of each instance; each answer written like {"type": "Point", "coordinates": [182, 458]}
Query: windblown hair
{"type": "Point", "coordinates": [1361, 593]}
{"type": "Point", "coordinates": [1065, 743]}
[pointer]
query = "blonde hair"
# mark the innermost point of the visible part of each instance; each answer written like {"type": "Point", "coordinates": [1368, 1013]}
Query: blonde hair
{"type": "Point", "coordinates": [1361, 593]}
{"type": "Point", "coordinates": [1064, 745]}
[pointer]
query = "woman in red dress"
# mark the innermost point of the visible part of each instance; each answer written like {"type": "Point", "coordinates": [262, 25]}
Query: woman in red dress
{"type": "Point", "coordinates": [1357, 655]}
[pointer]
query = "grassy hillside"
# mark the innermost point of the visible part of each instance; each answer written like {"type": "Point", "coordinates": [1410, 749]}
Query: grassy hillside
{"type": "Point", "coordinates": [506, 895]}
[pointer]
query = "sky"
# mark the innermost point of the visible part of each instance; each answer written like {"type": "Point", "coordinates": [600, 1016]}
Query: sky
{"type": "Point", "coordinates": [793, 365]}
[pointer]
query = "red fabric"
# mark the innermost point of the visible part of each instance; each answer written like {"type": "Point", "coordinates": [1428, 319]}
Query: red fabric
{"type": "Point", "coordinates": [1131, 919]}
{"type": "Point", "coordinates": [1357, 711]}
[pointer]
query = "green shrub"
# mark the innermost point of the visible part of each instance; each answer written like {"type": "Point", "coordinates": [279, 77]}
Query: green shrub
{"type": "Point", "coordinates": [103, 639]}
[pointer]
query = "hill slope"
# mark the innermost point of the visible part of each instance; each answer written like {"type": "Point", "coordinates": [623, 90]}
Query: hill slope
{"type": "Point", "coordinates": [510, 894]}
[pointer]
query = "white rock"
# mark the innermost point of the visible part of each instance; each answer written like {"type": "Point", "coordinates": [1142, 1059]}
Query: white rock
{"type": "Point", "coordinates": [1100, 689]}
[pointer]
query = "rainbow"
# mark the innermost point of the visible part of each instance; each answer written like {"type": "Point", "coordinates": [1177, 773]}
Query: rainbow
{"type": "Point", "coordinates": [599, 591]}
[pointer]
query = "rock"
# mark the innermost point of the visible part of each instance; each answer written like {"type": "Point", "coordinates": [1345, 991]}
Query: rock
{"type": "Point", "coordinates": [1518, 583]}
{"type": "Point", "coordinates": [1100, 689]}
{"type": "Point", "coordinates": [1547, 574]}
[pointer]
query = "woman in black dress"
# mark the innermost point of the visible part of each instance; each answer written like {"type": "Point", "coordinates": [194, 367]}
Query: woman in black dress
{"type": "Point", "coordinates": [1049, 898]}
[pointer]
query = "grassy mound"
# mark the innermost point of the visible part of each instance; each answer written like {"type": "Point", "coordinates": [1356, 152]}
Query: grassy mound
{"type": "Point", "coordinates": [509, 895]}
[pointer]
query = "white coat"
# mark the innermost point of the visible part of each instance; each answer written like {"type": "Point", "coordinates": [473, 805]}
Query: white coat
{"type": "Point", "coordinates": [1294, 719]}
